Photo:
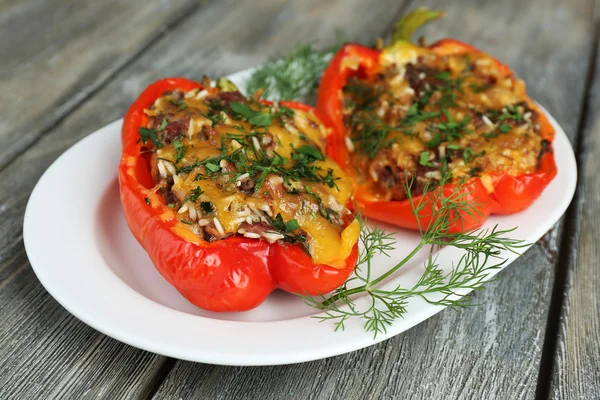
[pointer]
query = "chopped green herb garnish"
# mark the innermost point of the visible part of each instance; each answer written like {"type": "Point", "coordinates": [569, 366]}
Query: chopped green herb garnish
{"type": "Point", "coordinates": [310, 152]}
{"type": "Point", "coordinates": [192, 198]}
{"type": "Point", "coordinates": [212, 167]}
{"type": "Point", "coordinates": [424, 159]}
{"type": "Point", "coordinates": [163, 124]}
{"type": "Point", "coordinates": [146, 134]}
{"type": "Point", "coordinates": [261, 119]}
{"type": "Point", "coordinates": [504, 128]}
{"type": "Point", "coordinates": [147, 200]}
{"type": "Point", "coordinates": [469, 154]}
{"type": "Point", "coordinates": [445, 75]}
{"type": "Point", "coordinates": [435, 142]}
{"type": "Point", "coordinates": [257, 118]}
{"type": "Point", "coordinates": [291, 225]}
{"type": "Point", "coordinates": [180, 149]}
{"type": "Point", "coordinates": [206, 207]}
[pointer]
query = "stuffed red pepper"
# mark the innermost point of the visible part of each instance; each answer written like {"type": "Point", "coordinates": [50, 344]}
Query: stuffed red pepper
{"type": "Point", "coordinates": [233, 197]}
{"type": "Point", "coordinates": [408, 116]}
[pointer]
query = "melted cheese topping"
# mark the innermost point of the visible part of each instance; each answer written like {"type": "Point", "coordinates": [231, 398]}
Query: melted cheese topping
{"type": "Point", "coordinates": [423, 115]}
{"type": "Point", "coordinates": [256, 171]}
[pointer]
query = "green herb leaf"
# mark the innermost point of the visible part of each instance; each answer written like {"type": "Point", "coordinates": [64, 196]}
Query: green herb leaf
{"type": "Point", "coordinates": [435, 142]}
{"type": "Point", "coordinates": [206, 207]}
{"type": "Point", "coordinates": [257, 118]}
{"type": "Point", "coordinates": [147, 200]}
{"type": "Point", "coordinates": [261, 119]}
{"type": "Point", "coordinates": [424, 159]}
{"type": "Point", "coordinates": [242, 109]}
{"type": "Point", "coordinates": [212, 167]}
{"type": "Point", "coordinates": [163, 124]}
{"type": "Point", "coordinates": [311, 152]}
{"type": "Point", "coordinates": [146, 134]}
{"type": "Point", "coordinates": [291, 225]}
{"type": "Point", "coordinates": [180, 149]}
{"type": "Point", "coordinates": [444, 76]}
{"type": "Point", "coordinates": [504, 128]}
{"type": "Point", "coordinates": [182, 106]}
{"type": "Point", "coordinates": [193, 197]}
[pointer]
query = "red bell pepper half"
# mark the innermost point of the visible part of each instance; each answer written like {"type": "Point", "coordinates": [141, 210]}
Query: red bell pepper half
{"type": "Point", "coordinates": [233, 274]}
{"type": "Point", "coordinates": [510, 194]}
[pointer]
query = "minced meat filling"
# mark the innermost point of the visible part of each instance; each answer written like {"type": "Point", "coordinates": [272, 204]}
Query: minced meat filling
{"type": "Point", "coordinates": [230, 165]}
{"type": "Point", "coordinates": [430, 115]}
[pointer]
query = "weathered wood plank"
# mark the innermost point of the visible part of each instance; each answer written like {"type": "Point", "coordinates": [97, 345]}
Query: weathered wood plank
{"type": "Point", "coordinates": [44, 352]}
{"type": "Point", "coordinates": [576, 368]}
{"type": "Point", "coordinates": [54, 55]}
{"type": "Point", "coordinates": [491, 351]}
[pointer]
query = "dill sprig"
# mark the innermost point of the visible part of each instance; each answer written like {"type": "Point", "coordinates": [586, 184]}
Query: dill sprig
{"type": "Point", "coordinates": [482, 254]}
{"type": "Point", "coordinates": [294, 77]}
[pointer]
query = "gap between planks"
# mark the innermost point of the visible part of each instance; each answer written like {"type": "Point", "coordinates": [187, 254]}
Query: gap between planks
{"type": "Point", "coordinates": [570, 237]}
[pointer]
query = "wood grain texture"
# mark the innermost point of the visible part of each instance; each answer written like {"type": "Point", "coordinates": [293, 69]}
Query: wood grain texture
{"type": "Point", "coordinates": [576, 369]}
{"type": "Point", "coordinates": [55, 54]}
{"type": "Point", "coordinates": [491, 351]}
{"type": "Point", "coordinates": [45, 352]}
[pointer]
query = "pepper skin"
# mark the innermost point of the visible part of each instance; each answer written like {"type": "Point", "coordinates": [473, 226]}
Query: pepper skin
{"type": "Point", "coordinates": [233, 274]}
{"type": "Point", "coordinates": [510, 194]}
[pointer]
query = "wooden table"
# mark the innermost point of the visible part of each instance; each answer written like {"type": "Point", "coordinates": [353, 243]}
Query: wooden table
{"type": "Point", "coordinates": [68, 68]}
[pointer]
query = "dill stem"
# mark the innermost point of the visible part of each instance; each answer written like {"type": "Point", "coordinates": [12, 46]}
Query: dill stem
{"type": "Point", "coordinates": [367, 287]}
{"type": "Point", "coordinates": [401, 263]}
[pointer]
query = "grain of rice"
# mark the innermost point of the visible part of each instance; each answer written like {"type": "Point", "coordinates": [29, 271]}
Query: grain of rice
{"type": "Point", "coordinates": [242, 177]}
{"type": "Point", "coordinates": [225, 117]}
{"type": "Point", "coordinates": [203, 222]}
{"type": "Point", "coordinates": [433, 174]}
{"type": "Point", "coordinates": [219, 227]}
{"type": "Point", "coordinates": [202, 94]}
{"type": "Point", "coordinates": [249, 219]}
{"type": "Point", "coordinates": [161, 169]}
{"type": "Point", "coordinates": [255, 143]}
{"type": "Point", "coordinates": [290, 128]}
{"type": "Point", "coordinates": [442, 151]}
{"type": "Point", "coordinates": [223, 163]}
{"type": "Point", "coordinates": [487, 121]}
{"type": "Point", "coordinates": [171, 168]}
{"type": "Point", "coordinates": [191, 93]}
{"type": "Point", "coordinates": [409, 90]}
{"type": "Point", "coordinates": [349, 144]}
{"type": "Point", "coordinates": [244, 212]}
{"type": "Point", "coordinates": [238, 221]}
{"type": "Point", "coordinates": [252, 235]}
{"type": "Point", "coordinates": [267, 209]}
{"type": "Point", "coordinates": [272, 237]}
{"type": "Point", "coordinates": [182, 210]}
{"type": "Point", "coordinates": [193, 213]}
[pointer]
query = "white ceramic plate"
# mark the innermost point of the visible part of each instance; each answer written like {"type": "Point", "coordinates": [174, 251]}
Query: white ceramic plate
{"type": "Point", "coordinates": [83, 253]}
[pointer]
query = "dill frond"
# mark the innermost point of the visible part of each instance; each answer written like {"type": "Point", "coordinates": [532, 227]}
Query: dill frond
{"type": "Point", "coordinates": [482, 255]}
{"type": "Point", "coordinates": [294, 77]}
